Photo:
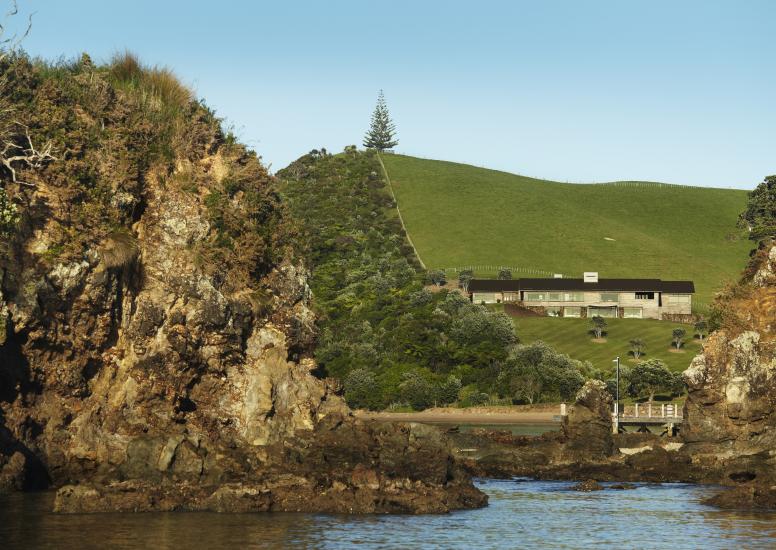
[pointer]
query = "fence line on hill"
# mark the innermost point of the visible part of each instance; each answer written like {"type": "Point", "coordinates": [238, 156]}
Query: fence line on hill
{"type": "Point", "coordinates": [398, 211]}
{"type": "Point", "coordinates": [497, 268]}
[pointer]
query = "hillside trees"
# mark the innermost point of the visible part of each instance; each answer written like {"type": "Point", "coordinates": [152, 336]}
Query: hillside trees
{"type": "Point", "coordinates": [373, 313]}
{"type": "Point", "coordinates": [535, 372]}
{"type": "Point", "coordinates": [650, 377]}
{"type": "Point", "coordinates": [382, 131]}
{"type": "Point", "coordinates": [505, 274]}
{"type": "Point", "coordinates": [464, 278]}
{"type": "Point", "coordinates": [436, 277]}
{"type": "Point", "coordinates": [760, 213]}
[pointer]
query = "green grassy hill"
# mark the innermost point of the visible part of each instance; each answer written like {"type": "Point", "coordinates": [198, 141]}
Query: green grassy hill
{"type": "Point", "coordinates": [570, 336]}
{"type": "Point", "coordinates": [460, 215]}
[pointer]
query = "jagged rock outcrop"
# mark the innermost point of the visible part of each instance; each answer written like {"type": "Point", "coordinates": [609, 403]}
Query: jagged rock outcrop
{"type": "Point", "coordinates": [588, 426]}
{"type": "Point", "coordinates": [730, 413]}
{"type": "Point", "coordinates": [156, 329]}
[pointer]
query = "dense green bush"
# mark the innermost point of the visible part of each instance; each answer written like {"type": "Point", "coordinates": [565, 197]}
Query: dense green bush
{"type": "Point", "coordinates": [436, 277]}
{"type": "Point", "coordinates": [374, 313]}
{"type": "Point", "coordinates": [535, 372]}
{"type": "Point", "coordinates": [651, 377]}
{"type": "Point", "coordinates": [362, 390]}
{"type": "Point", "coordinates": [760, 214]}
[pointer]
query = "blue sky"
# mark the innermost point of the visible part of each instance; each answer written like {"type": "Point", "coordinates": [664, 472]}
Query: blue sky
{"type": "Point", "coordinates": [683, 92]}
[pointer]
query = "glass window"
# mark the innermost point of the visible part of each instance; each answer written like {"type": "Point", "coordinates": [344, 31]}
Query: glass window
{"type": "Point", "coordinates": [487, 297]}
{"type": "Point", "coordinates": [678, 298]}
{"type": "Point", "coordinates": [553, 311]}
{"type": "Point", "coordinates": [510, 296]}
{"type": "Point", "coordinates": [572, 311]}
{"type": "Point", "coordinates": [610, 297]}
{"type": "Point", "coordinates": [554, 296]}
{"type": "Point", "coordinates": [574, 297]}
{"type": "Point", "coordinates": [608, 312]}
{"type": "Point", "coordinates": [631, 312]}
{"type": "Point", "coordinates": [535, 296]}
{"type": "Point", "coordinates": [645, 295]}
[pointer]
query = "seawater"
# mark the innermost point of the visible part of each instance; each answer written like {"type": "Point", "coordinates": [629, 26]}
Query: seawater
{"type": "Point", "coordinates": [521, 514]}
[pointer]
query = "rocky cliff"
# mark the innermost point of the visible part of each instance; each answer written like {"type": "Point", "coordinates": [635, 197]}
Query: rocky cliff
{"type": "Point", "coordinates": [154, 321]}
{"type": "Point", "coordinates": [730, 414]}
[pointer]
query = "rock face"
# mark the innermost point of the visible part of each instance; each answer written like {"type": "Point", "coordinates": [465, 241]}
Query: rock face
{"type": "Point", "coordinates": [588, 426]}
{"type": "Point", "coordinates": [164, 364]}
{"type": "Point", "coordinates": [730, 414]}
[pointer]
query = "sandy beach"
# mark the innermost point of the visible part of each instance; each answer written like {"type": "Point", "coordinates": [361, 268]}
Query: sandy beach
{"type": "Point", "coordinates": [473, 415]}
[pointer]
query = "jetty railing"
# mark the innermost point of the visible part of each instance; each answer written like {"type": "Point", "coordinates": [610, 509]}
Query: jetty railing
{"type": "Point", "coordinates": [651, 410]}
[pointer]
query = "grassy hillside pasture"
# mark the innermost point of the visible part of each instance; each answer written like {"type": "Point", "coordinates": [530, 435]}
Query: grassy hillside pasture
{"type": "Point", "coordinates": [570, 336]}
{"type": "Point", "coordinates": [460, 215]}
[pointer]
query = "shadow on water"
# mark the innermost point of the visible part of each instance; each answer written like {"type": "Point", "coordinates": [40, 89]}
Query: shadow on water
{"type": "Point", "coordinates": [533, 514]}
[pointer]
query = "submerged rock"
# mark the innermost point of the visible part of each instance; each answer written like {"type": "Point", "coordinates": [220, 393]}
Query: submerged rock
{"type": "Point", "coordinates": [587, 486]}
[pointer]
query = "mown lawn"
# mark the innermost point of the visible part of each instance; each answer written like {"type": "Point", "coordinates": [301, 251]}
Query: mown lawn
{"type": "Point", "coordinates": [460, 215]}
{"type": "Point", "coordinates": [570, 336]}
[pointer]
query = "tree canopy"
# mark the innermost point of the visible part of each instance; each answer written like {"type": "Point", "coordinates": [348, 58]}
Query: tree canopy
{"type": "Point", "coordinates": [760, 213]}
{"type": "Point", "coordinates": [650, 377]}
{"type": "Point", "coordinates": [382, 131]}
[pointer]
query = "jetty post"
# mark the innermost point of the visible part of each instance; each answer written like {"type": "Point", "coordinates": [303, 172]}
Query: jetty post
{"type": "Point", "coordinates": [616, 418]}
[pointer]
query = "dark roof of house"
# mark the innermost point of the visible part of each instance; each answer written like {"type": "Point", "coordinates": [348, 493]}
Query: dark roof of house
{"type": "Point", "coordinates": [623, 285]}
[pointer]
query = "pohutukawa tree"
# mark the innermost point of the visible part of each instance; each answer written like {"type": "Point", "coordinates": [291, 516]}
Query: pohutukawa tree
{"type": "Point", "coordinates": [382, 132]}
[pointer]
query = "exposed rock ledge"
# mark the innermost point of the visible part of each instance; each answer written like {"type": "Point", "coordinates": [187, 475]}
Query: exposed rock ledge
{"type": "Point", "coordinates": [346, 466]}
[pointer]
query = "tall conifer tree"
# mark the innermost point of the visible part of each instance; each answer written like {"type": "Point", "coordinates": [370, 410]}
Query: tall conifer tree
{"type": "Point", "coordinates": [382, 132]}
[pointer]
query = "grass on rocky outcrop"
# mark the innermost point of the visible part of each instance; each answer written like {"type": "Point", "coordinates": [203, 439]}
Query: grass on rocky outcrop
{"type": "Point", "coordinates": [460, 215]}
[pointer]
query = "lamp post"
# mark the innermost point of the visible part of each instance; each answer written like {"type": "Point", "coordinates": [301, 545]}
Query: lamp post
{"type": "Point", "coordinates": [616, 427]}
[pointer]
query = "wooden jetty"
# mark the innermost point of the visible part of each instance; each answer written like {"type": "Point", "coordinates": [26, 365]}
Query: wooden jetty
{"type": "Point", "coordinates": [645, 415]}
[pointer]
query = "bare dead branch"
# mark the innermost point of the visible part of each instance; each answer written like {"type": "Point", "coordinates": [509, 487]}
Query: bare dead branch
{"type": "Point", "coordinates": [28, 154]}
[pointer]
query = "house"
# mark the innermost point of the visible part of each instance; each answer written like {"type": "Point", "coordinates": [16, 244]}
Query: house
{"type": "Point", "coordinates": [591, 296]}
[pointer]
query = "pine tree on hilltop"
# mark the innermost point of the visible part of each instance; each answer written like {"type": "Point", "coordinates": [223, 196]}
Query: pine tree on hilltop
{"type": "Point", "coordinates": [382, 131]}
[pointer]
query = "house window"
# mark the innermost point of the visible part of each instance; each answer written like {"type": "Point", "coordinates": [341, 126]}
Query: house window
{"type": "Point", "coordinates": [535, 296]}
{"type": "Point", "coordinates": [610, 297]}
{"type": "Point", "coordinates": [678, 298]}
{"type": "Point", "coordinates": [645, 295]}
{"type": "Point", "coordinates": [631, 312]}
{"type": "Point", "coordinates": [487, 297]}
{"type": "Point", "coordinates": [553, 311]}
{"type": "Point", "coordinates": [572, 312]}
{"type": "Point", "coordinates": [574, 297]}
{"type": "Point", "coordinates": [609, 312]}
{"type": "Point", "coordinates": [510, 296]}
{"type": "Point", "coordinates": [555, 296]}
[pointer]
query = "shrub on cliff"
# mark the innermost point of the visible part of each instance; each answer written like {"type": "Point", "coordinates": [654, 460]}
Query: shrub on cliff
{"type": "Point", "coordinates": [113, 130]}
{"type": "Point", "coordinates": [9, 215]}
{"type": "Point", "coordinates": [760, 214]}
